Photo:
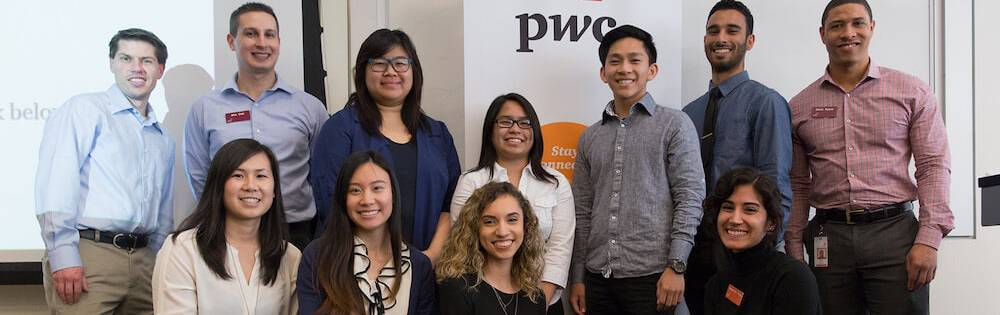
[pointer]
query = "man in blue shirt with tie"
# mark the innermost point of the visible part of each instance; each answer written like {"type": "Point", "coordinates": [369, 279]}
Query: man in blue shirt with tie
{"type": "Point", "coordinates": [256, 104]}
{"type": "Point", "coordinates": [103, 188]}
{"type": "Point", "coordinates": [740, 122]}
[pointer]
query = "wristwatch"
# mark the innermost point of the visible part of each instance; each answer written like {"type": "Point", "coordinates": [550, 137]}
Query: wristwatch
{"type": "Point", "coordinates": [677, 265]}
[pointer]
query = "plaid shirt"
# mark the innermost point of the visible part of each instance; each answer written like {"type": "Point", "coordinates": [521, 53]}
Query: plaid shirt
{"type": "Point", "coordinates": [853, 149]}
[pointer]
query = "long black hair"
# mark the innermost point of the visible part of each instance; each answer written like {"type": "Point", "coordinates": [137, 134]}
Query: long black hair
{"type": "Point", "coordinates": [488, 153]}
{"type": "Point", "coordinates": [376, 45]}
{"type": "Point", "coordinates": [764, 185]}
{"type": "Point", "coordinates": [335, 248]}
{"type": "Point", "coordinates": [209, 217]}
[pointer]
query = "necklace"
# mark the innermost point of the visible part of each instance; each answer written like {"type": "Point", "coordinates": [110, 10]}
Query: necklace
{"type": "Point", "coordinates": [503, 306]}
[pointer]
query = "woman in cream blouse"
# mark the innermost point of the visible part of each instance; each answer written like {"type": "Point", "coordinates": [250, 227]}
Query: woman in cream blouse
{"type": "Point", "coordinates": [512, 152]}
{"type": "Point", "coordinates": [230, 256]}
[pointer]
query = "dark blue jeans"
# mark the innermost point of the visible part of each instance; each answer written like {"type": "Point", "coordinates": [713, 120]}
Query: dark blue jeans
{"type": "Point", "coordinates": [624, 296]}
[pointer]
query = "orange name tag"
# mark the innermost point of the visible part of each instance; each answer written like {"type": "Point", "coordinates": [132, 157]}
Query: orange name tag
{"type": "Point", "coordinates": [734, 295]}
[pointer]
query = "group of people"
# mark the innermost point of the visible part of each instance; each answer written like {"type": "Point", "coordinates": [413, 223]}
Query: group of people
{"type": "Point", "coordinates": [669, 212]}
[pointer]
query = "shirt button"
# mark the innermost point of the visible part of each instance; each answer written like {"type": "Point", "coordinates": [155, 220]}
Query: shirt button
{"type": "Point", "coordinates": [612, 241]}
{"type": "Point", "coordinates": [614, 195]}
{"type": "Point", "coordinates": [848, 94]}
{"type": "Point", "coordinates": [850, 147]}
{"type": "Point", "coordinates": [618, 171]}
{"type": "Point", "coordinates": [618, 148]}
{"type": "Point", "coordinates": [258, 130]}
{"type": "Point", "coordinates": [614, 218]}
{"type": "Point", "coordinates": [623, 125]}
{"type": "Point", "coordinates": [849, 121]}
{"type": "Point", "coordinates": [852, 175]}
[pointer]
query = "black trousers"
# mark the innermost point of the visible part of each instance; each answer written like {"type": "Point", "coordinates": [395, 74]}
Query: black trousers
{"type": "Point", "coordinates": [708, 256]}
{"type": "Point", "coordinates": [301, 233]}
{"type": "Point", "coordinates": [867, 267]}
{"type": "Point", "coordinates": [624, 296]}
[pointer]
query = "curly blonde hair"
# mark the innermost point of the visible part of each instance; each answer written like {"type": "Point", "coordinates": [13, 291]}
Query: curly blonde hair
{"type": "Point", "coordinates": [458, 260]}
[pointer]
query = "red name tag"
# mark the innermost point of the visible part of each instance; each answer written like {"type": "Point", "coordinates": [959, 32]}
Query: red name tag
{"type": "Point", "coordinates": [237, 116]}
{"type": "Point", "coordinates": [824, 112]}
{"type": "Point", "coordinates": [734, 295]}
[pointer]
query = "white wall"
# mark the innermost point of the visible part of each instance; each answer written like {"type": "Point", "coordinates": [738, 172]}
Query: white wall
{"type": "Point", "coordinates": [967, 267]}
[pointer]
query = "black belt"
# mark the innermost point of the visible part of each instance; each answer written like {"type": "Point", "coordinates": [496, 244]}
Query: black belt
{"type": "Point", "coordinates": [126, 241]}
{"type": "Point", "coordinates": [855, 216]}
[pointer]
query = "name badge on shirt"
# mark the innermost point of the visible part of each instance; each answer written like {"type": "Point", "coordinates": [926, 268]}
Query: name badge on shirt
{"type": "Point", "coordinates": [824, 112]}
{"type": "Point", "coordinates": [734, 295]}
{"type": "Point", "coordinates": [237, 116]}
{"type": "Point", "coordinates": [821, 252]}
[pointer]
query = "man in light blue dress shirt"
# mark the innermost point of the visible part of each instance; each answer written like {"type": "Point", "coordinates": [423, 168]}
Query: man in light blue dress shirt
{"type": "Point", "coordinates": [103, 188]}
{"type": "Point", "coordinates": [749, 125]}
{"type": "Point", "coordinates": [257, 104]}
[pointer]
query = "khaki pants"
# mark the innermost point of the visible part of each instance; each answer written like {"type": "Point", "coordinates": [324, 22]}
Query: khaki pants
{"type": "Point", "coordinates": [119, 281]}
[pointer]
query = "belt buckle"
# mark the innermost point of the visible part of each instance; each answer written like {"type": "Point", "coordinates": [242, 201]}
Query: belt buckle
{"type": "Point", "coordinates": [130, 237]}
{"type": "Point", "coordinates": [851, 210]}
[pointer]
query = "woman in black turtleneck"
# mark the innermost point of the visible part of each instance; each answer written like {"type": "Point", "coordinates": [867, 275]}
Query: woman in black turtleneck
{"type": "Point", "coordinates": [745, 209]}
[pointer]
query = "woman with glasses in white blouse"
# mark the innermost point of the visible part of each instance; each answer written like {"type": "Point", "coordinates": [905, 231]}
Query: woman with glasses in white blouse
{"type": "Point", "coordinates": [512, 152]}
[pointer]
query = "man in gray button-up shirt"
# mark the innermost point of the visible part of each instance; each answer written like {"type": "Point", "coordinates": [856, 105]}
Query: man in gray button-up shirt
{"type": "Point", "coordinates": [638, 184]}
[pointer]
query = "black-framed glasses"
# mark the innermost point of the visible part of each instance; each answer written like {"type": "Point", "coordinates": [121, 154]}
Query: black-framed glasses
{"type": "Point", "coordinates": [400, 64]}
{"type": "Point", "coordinates": [507, 123]}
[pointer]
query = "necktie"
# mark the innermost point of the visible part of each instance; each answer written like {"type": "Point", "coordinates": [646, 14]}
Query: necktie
{"type": "Point", "coordinates": [708, 132]}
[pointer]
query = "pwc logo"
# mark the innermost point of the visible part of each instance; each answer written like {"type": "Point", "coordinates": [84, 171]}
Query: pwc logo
{"type": "Point", "coordinates": [573, 25]}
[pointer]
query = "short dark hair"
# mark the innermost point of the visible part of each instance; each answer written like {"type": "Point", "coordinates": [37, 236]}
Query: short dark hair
{"type": "Point", "coordinates": [376, 45]}
{"type": "Point", "coordinates": [139, 34]}
{"type": "Point", "coordinates": [734, 5]}
{"type": "Point", "coordinates": [764, 185]}
{"type": "Point", "coordinates": [626, 31]}
{"type": "Point", "coordinates": [488, 153]}
{"type": "Point", "coordinates": [837, 3]}
{"type": "Point", "coordinates": [209, 216]}
{"type": "Point", "coordinates": [234, 18]}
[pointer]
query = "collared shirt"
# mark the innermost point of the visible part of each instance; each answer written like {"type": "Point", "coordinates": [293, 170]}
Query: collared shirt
{"type": "Point", "coordinates": [753, 128]}
{"type": "Point", "coordinates": [638, 185]}
{"type": "Point", "coordinates": [285, 119]}
{"type": "Point", "coordinates": [103, 166]}
{"type": "Point", "coordinates": [381, 286]}
{"type": "Point", "coordinates": [184, 284]}
{"type": "Point", "coordinates": [853, 148]}
{"type": "Point", "coordinates": [437, 168]}
{"type": "Point", "coordinates": [552, 204]}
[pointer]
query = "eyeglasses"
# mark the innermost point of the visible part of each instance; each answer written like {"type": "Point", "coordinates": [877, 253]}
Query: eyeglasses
{"type": "Point", "coordinates": [507, 123]}
{"type": "Point", "coordinates": [400, 64]}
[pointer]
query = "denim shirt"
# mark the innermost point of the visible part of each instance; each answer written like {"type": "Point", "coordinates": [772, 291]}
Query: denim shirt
{"type": "Point", "coordinates": [752, 129]}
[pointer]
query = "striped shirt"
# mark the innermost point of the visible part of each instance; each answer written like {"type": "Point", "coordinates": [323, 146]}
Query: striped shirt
{"type": "Point", "coordinates": [638, 185]}
{"type": "Point", "coordinates": [853, 149]}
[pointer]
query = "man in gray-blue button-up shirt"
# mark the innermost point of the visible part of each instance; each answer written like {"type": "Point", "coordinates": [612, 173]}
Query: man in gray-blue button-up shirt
{"type": "Point", "coordinates": [638, 187]}
{"type": "Point", "coordinates": [257, 104]}
{"type": "Point", "coordinates": [751, 127]}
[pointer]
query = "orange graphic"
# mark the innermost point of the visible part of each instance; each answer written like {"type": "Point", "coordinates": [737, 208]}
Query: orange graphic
{"type": "Point", "coordinates": [560, 146]}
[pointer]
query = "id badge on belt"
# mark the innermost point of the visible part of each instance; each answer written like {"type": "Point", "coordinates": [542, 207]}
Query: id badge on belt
{"type": "Point", "coordinates": [821, 250]}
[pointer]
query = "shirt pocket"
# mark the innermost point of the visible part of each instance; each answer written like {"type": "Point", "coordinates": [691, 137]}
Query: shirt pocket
{"type": "Point", "coordinates": [543, 207]}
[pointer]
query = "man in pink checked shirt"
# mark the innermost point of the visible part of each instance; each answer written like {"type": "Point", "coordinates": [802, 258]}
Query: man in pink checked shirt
{"type": "Point", "coordinates": [853, 133]}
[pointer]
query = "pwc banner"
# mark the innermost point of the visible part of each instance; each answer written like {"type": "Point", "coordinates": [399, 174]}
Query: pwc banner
{"type": "Point", "coordinates": [547, 51]}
